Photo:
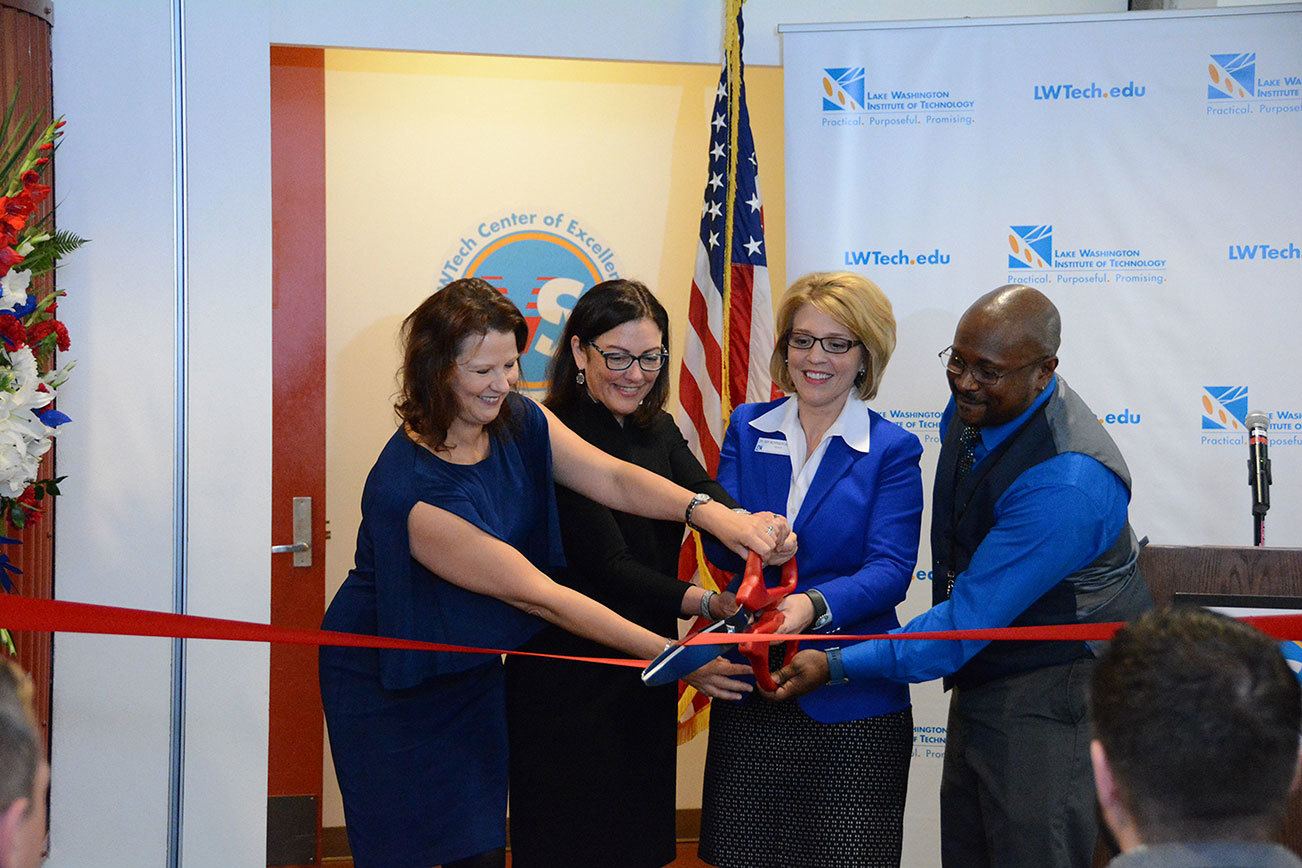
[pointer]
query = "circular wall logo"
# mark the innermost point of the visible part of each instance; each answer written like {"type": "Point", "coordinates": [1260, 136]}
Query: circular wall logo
{"type": "Point", "coordinates": [543, 262]}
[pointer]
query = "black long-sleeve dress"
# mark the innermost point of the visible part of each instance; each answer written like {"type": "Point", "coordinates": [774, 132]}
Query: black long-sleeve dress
{"type": "Point", "coordinates": [593, 751]}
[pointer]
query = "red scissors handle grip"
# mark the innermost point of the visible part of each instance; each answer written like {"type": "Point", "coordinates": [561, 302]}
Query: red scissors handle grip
{"type": "Point", "coordinates": [754, 595]}
{"type": "Point", "coordinates": [758, 652]}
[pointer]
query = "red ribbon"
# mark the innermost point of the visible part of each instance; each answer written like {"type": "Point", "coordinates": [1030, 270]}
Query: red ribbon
{"type": "Point", "coordinates": [62, 616]}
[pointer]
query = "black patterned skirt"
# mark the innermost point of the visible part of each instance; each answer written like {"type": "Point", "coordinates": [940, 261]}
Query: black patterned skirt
{"type": "Point", "coordinates": [785, 791]}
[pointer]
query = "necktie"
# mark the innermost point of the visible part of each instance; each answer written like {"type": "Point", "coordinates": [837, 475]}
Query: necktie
{"type": "Point", "coordinates": [967, 443]}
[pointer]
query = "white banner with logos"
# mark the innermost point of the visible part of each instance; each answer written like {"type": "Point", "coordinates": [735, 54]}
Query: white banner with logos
{"type": "Point", "coordinates": [1141, 169]}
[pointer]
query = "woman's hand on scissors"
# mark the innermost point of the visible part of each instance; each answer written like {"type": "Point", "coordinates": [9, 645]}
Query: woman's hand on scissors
{"type": "Point", "coordinates": [783, 551]}
{"type": "Point", "coordinates": [715, 679]}
{"type": "Point", "coordinates": [797, 613]}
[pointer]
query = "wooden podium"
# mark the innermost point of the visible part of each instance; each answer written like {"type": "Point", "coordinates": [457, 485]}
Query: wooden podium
{"type": "Point", "coordinates": [1271, 572]}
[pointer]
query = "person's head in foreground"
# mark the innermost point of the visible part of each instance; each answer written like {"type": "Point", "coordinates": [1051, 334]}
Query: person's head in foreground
{"type": "Point", "coordinates": [24, 774]}
{"type": "Point", "coordinates": [1196, 720]}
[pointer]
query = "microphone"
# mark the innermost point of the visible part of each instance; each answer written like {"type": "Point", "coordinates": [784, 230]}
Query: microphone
{"type": "Point", "coordinates": [1258, 423]}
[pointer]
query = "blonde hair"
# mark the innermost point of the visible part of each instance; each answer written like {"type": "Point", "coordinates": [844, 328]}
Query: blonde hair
{"type": "Point", "coordinates": [856, 303]}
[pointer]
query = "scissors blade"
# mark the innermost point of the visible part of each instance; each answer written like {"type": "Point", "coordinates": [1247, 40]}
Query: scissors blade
{"type": "Point", "coordinates": [679, 659]}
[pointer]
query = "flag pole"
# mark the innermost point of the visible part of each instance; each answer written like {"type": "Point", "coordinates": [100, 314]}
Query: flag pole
{"type": "Point", "coordinates": [732, 59]}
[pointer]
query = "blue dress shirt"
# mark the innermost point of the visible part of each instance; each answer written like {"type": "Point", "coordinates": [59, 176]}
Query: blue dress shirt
{"type": "Point", "coordinates": [1055, 518]}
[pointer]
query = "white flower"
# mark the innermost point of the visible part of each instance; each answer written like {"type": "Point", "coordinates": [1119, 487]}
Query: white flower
{"type": "Point", "coordinates": [13, 289]}
{"type": "Point", "coordinates": [23, 437]}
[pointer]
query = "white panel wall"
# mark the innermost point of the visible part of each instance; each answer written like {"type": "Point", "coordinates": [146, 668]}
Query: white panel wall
{"type": "Point", "coordinates": [114, 539]}
{"type": "Point", "coordinates": [228, 253]}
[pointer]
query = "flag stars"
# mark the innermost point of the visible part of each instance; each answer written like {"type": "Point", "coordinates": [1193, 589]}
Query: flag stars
{"type": "Point", "coordinates": [753, 247]}
{"type": "Point", "coordinates": [717, 151]}
{"type": "Point", "coordinates": [722, 92]}
{"type": "Point", "coordinates": [714, 209]}
{"type": "Point", "coordinates": [714, 240]}
{"type": "Point", "coordinates": [719, 123]}
{"type": "Point", "coordinates": [716, 181]}
{"type": "Point", "coordinates": [754, 201]}
{"type": "Point", "coordinates": [754, 162]}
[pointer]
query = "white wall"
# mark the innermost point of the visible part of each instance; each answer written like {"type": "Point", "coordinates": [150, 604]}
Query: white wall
{"type": "Point", "coordinates": [113, 70]}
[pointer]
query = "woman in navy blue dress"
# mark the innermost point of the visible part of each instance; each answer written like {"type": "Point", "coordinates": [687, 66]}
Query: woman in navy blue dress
{"type": "Point", "coordinates": [458, 535]}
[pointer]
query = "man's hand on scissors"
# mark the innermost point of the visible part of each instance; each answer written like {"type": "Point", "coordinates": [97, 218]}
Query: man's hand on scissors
{"type": "Point", "coordinates": [805, 673]}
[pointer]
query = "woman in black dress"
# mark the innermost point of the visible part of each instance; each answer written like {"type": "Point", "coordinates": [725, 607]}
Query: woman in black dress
{"type": "Point", "coordinates": [592, 750]}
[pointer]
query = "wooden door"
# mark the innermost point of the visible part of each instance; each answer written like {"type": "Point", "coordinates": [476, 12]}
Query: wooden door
{"type": "Point", "coordinates": [298, 446]}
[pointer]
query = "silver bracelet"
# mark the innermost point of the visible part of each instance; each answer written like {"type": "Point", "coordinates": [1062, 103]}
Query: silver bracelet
{"type": "Point", "coordinates": [705, 604]}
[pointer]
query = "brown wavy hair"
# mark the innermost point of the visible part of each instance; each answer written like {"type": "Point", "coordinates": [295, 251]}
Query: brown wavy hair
{"type": "Point", "coordinates": [432, 337]}
{"type": "Point", "coordinates": [607, 305]}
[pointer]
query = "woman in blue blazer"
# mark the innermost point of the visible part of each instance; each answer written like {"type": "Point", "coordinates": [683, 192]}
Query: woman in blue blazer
{"type": "Point", "coordinates": [832, 768]}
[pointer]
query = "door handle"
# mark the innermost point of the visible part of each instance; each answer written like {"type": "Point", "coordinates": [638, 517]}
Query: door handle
{"type": "Point", "coordinates": [301, 547]}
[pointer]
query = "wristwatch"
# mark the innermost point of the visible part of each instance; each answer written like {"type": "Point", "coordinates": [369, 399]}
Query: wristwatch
{"type": "Point", "coordinates": [835, 668]}
{"type": "Point", "coordinates": [822, 614]}
{"type": "Point", "coordinates": [704, 605]}
{"type": "Point", "coordinates": [697, 499]}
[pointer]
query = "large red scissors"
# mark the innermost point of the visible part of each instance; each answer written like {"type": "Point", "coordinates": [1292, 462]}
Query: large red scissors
{"type": "Point", "coordinates": [758, 613]}
{"type": "Point", "coordinates": [761, 604]}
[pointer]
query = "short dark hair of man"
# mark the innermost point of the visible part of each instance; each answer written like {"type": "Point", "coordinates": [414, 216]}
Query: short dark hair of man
{"type": "Point", "coordinates": [19, 753]}
{"type": "Point", "coordinates": [1199, 717]}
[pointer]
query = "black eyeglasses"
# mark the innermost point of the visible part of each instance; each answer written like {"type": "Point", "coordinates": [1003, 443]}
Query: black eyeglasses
{"type": "Point", "coordinates": [618, 360]}
{"type": "Point", "coordinates": [835, 346]}
{"type": "Point", "coordinates": [984, 375]}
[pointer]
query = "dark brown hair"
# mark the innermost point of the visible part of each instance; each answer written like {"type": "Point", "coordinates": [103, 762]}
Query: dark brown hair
{"type": "Point", "coordinates": [1198, 715]}
{"type": "Point", "coordinates": [432, 336]}
{"type": "Point", "coordinates": [607, 305]}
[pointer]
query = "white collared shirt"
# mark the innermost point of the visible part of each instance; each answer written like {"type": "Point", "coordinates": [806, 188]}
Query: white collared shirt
{"type": "Point", "coordinates": [852, 426]}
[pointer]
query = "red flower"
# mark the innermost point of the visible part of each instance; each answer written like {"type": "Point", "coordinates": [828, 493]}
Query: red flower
{"type": "Point", "coordinates": [42, 330]}
{"type": "Point", "coordinates": [19, 206]}
{"type": "Point", "coordinates": [8, 259]}
{"type": "Point", "coordinates": [41, 161]}
{"type": "Point", "coordinates": [33, 187]}
{"type": "Point", "coordinates": [48, 146]}
{"type": "Point", "coordinates": [11, 330]}
{"type": "Point", "coordinates": [28, 502]}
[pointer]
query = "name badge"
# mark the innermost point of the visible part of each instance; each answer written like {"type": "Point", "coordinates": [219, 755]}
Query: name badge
{"type": "Point", "coordinates": [772, 445]}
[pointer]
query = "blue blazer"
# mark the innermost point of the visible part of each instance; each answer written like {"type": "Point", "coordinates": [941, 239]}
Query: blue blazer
{"type": "Point", "coordinates": [859, 528]}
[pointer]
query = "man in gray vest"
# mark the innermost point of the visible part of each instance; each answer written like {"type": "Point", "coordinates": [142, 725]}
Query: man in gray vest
{"type": "Point", "coordinates": [1029, 527]}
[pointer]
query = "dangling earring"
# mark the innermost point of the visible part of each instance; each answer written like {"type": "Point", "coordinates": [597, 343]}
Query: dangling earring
{"type": "Point", "coordinates": [859, 377]}
{"type": "Point", "coordinates": [580, 377]}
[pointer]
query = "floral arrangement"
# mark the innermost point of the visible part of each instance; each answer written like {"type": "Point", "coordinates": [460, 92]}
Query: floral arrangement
{"type": "Point", "coordinates": [30, 331]}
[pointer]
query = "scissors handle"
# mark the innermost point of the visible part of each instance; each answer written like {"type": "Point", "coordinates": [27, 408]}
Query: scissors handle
{"type": "Point", "coordinates": [754, 594]}
{"type": "Point", "coordinates": [758, 652]}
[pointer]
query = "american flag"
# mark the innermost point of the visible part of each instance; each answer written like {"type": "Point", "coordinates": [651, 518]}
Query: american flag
{"type": "Point", "coordinates": [733, 312]}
